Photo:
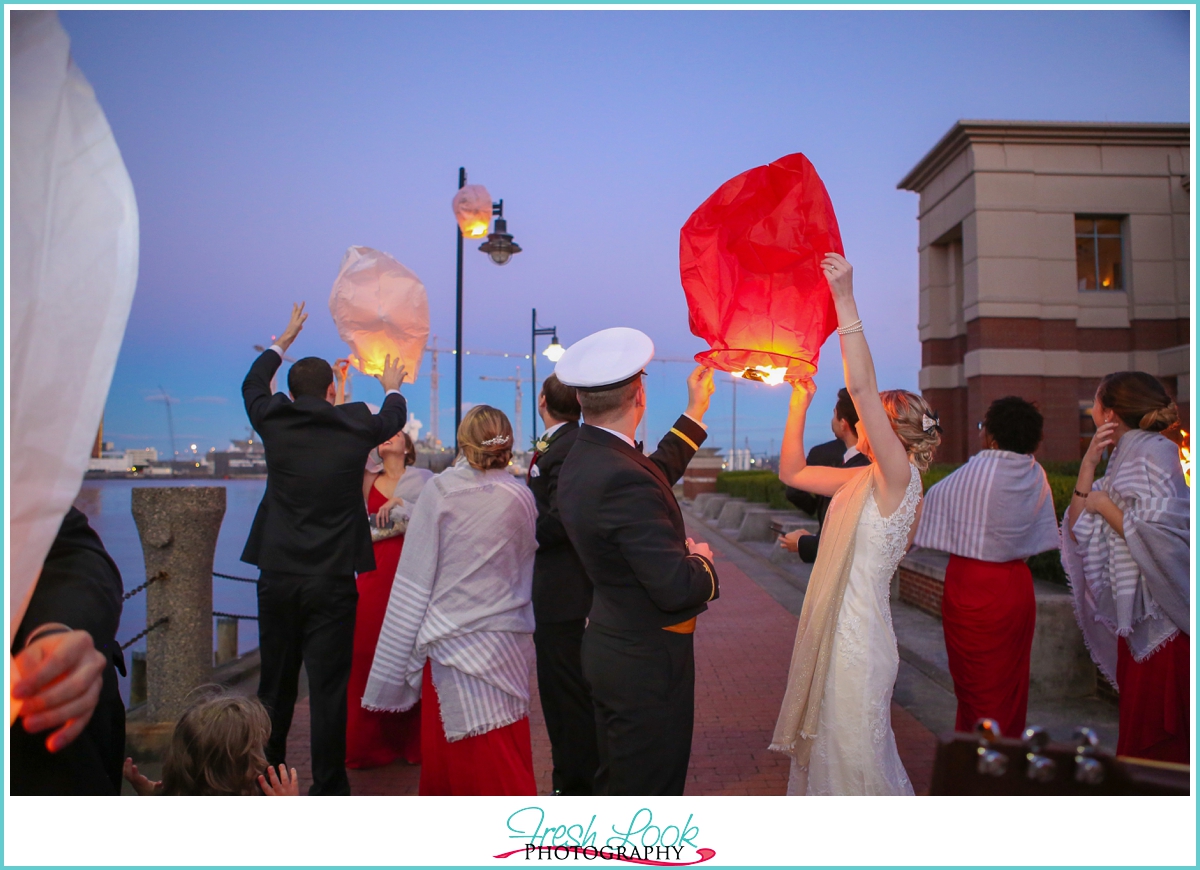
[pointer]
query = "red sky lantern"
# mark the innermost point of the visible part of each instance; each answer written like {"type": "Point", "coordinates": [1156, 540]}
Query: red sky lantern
{"type": "Point", "coordinates": [750, 261]}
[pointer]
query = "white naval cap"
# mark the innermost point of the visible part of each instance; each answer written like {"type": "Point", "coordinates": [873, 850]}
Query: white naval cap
{"type": "Point", "coordinates": [605, 359]}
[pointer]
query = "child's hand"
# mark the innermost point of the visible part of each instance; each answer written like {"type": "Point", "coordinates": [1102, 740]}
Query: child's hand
{"type": "Point", "coordinates": [140, 783]}
{"type": "Point", "coordinates": [281, 783]}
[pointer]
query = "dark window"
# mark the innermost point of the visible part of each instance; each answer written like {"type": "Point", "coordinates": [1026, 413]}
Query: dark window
{"type": "Point", "coordinates": [1098, 247]}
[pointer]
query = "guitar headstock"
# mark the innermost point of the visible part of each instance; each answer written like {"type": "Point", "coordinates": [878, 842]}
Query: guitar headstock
{"type": "Point", "coordinates": [985, 763]}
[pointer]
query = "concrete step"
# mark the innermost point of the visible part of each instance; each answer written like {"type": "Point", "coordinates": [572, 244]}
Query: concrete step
{"type": "Point", "coordinates": [756, 524]}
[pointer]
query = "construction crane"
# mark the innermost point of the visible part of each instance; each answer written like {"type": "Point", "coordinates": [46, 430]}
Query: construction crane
{"type": "Point", "coordinates": [518, 381]}
{"type": "Point", "coordinates": [170, 423]}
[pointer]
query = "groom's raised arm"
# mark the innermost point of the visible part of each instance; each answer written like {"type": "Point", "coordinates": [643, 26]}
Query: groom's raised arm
{"type": "Point", "coordinates": [391, 417]}
{"type": "Point", "coordinates": [256, 388]}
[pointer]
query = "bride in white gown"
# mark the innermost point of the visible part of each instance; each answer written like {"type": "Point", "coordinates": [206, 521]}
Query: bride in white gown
{"type": "Point", "coordinates": [835, 721]}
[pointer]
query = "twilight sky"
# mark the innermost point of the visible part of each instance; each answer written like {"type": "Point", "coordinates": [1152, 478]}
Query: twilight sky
{"type": "Point", "coordinates": [263, 144]}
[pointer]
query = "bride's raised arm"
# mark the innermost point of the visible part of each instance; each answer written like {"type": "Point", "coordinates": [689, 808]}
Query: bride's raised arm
{"type": "Point", "coordinates": [794, 469]}
{"type": "Point", "coordinates": [887, 450]}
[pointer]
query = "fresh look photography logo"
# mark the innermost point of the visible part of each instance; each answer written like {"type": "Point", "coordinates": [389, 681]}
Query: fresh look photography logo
{"type": "Point", "coordinates": [641, 840]}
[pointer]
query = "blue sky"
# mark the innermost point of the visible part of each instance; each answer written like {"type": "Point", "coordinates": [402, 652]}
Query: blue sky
{"type": "Point", "coordinates": [263, 144]}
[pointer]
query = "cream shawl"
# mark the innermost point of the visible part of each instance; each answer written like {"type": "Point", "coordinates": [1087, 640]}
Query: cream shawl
{"type": "Point", "coordinates": [796, 728]}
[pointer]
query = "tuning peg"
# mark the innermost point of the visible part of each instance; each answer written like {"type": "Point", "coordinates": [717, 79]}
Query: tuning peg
{"type": "Point", "coordinates": [987, 730]}
{"type": "Point", "coordinates": [1086, 740]}
{"type": "Point", "coordinates": [1035, 738]}
{"type": "Point", "coordinates": [990, 762]}
{"type": "Point", "coordinates": [1038, 767]}
{"type": "Point", "coordinates": [1087, 769]}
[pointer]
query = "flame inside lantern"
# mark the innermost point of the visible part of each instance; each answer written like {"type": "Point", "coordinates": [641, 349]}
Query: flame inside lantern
{"type": "Point", "coordinates": [1185, 458]}
{"type": "Point", "coordinates": [772, 375]}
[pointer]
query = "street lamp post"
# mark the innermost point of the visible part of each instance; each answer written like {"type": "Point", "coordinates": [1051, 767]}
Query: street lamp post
{"type": "Point", "coordinates": [553, 353]}
{"type": "Point", "coordinates": [499, 247]}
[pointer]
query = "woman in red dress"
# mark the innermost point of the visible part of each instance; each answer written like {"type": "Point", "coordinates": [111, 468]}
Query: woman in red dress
{"type": "Point", "coordinates": [458, 633]}
{"type": "Point", "coordinates": [373, 738]}
{"type": "Point", "coordinates": [990, 515]}
{"type": "Point", "coordinates": [1128, 555]}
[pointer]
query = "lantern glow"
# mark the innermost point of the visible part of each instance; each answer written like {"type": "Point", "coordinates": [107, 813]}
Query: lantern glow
{"type": "Point", "coordinates": [473, 210]}
{"type": "Point", "coordinates": [750, 264]}
{"type": "Point", "coordinates": [380, 309]}
{"type": "Point", "coordinates": [1185, 458]}
{"type": "Point", "coordinates": [771, 375]}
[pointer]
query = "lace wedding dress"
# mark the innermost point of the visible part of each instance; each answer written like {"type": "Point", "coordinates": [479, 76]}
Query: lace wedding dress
{"type": "Point", "coordinates": [855, 750]}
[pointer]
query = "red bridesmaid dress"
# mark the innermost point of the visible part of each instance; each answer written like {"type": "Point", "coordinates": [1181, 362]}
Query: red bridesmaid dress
{"type": "Point", "coordinates": [988, 616]}
{"type": "Point", "coordinates": [374, 739]}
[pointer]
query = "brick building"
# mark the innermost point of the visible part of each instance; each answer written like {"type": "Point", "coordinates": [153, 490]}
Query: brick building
{"type": "Point", "coordinates": [1050, 255]}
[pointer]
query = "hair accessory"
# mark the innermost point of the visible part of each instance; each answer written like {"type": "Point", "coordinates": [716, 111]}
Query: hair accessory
{"type": "Point", "coordinates": [498, 440]}
{"type": "Point", "coordinates": [856, 326]}
{"type": "Point", "coordinates": [928, 424]}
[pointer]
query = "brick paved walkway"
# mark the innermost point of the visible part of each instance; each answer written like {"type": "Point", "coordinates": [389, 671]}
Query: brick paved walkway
{"type": "Point", "coordinates": [743, 648]}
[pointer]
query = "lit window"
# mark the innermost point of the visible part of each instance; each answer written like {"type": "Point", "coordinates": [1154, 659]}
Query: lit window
{"type": "Point", "coordinates": [1098, 253]}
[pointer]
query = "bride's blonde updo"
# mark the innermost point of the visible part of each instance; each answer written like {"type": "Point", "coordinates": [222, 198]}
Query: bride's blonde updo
{"type": "Point", "coordinates": [908, 413]}
{"type": "Point", "coordinates": [485, 438]}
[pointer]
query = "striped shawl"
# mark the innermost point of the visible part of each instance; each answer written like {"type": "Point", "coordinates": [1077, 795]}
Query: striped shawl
{"type": "Point", "coordinates": [461, 599]}
{"type": "Point", "coordinates": [1136, 587]}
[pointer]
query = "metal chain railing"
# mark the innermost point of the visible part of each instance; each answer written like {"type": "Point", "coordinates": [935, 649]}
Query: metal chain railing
{"type": "Point", "coordinates": [234, 615]}
{"type": "Point", "coordinates": [161, 575]}
{"type": "Point", "coordinates": [161, 621]}
{"type": "Point", "coordinates": [231, 577]}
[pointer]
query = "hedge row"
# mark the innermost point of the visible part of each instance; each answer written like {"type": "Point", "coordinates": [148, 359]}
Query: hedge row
{"type": "Point", "coordinates": [765, 487]}
{"type": "Point", "coordinates": [757, 486]}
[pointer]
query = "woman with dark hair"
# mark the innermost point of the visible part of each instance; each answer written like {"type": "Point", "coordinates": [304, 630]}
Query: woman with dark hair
{"type": "Point", "coordinates": [990, 516]}
{"type": "Point", "coordinates": [374, 739]}
{"type": "Point", "coordinates": [1127, 552]}
{"type": "Point", "coordinates": [458, 634]}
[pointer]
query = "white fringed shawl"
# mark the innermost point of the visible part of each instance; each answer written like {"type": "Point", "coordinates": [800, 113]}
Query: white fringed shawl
{"type": "Point", "coordinates": [1136, 587]}
{"type": "Point", "coordinates": [461, 599]}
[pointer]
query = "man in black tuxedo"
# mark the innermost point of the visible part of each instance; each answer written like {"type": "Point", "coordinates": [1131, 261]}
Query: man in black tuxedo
{"type": "Point", "coordinates": [562, 597]}
{"type": "Point", "coordinates": [309, 538]}
{"type": "Point", "coordinates": [650, 580]}
{"type": "Point", "coordinates": [842, 452]}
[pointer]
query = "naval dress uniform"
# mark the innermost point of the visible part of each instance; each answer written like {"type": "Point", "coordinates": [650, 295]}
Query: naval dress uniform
{"type": "Point", "coordinates": [621, 515]}
{"type": "Point", "coordinates": [562, 597]}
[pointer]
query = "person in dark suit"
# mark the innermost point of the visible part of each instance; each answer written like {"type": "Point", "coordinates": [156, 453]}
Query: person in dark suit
{"type": "Point", "coordinates": [650, 580]}
{"type": "Point", "coordinates": [72, 737]}
{"type": "Point", "coordinates": [841, 452]}
{"type": "Point", "coordinates": [309, 538]}
{"type": "Point", "coordinates": [562, 597]}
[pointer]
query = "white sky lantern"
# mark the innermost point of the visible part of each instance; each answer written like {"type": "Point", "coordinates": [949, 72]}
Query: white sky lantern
{"type": "Point", "coordinates": [380, 308]}
{"type": "Point", "coordinates": [473, 210]}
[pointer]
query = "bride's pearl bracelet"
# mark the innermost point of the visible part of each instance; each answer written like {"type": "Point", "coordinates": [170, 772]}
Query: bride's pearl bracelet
{"type": "Point", "coordinates": [856, 326]}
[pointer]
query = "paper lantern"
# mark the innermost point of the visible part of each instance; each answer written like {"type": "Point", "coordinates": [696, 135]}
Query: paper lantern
{"type": "Point", "coordinates": [380, 309]}
{"type": "Point", "coordinates": [473, 210]}
{"type": "Point", "coordinates": [73, 244]}
{"type": "Point", "coordinates": [750, 262]}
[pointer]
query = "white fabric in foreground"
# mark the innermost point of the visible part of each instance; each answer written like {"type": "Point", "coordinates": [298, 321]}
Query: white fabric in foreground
{"type": "Point", "coordinates": [996, 508]}
{"type": "Point", "coordinates": [461, 598]}
{"type": "Point", "coordinates": [74, 243]}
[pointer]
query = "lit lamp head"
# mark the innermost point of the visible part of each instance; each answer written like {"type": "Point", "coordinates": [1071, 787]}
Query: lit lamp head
{"type": "Point", "coordinates": [473, 210]}
{"type": "Point", "coordinates": [554, 351]}
{"type": "Point", "coordinates": [500, 245]}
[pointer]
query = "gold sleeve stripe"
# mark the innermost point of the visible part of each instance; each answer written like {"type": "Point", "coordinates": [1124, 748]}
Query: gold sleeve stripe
{"type": "Point", "coordinates": [711, 578]}
{"type": "Point", "coordinates": [686, 440]}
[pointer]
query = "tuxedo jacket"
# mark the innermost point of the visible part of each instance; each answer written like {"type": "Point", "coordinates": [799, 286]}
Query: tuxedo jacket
{"type": "Point", "coordinates": [311, 519]}
{"type": "Point", "coordinates": [621, 516]}
{"type": "Point", "coordinates": [830, 455]}
{"type": "Point", "coordinates": [561, 589]}
{"type": "Point", "coordinates": [79, 586]}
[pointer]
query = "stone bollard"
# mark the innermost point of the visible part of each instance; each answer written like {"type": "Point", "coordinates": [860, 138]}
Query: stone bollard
{"type": "Point", "coordinates": [227, 640]}
{"type": "Point", "coordinates": [178, 526]}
